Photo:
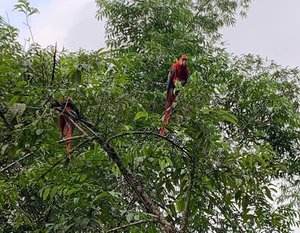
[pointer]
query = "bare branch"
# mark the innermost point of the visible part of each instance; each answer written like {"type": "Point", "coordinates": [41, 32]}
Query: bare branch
{"type": "Point", "coordinates": [77, 126]}
{"type": "Point", "coordinates": [54, 63]}
{"type": "Point", "coordinates": [72, 138]}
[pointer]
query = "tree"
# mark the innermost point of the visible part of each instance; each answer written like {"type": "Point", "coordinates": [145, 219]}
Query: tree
{"type": "Point", "coordinates": [233, 134]}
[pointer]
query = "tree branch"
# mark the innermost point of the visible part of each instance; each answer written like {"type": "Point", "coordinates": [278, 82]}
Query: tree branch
{"type": "Point", "coordinates": [137, 187]}
{"type": "Point", "coordinates": [128, 225]}
{"type": "Point", "coordinates": [54, 63]}
{"type": "Point", "coordinates": [77, 126]}
{"type": "Point", "coordinates": [72, 138]}
{"type": "Point", "coordinates": [19, 160]}
{"type": "Point", "coordinates": [135, 184]}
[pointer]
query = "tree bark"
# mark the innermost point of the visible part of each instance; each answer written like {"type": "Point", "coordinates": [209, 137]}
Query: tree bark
{"type": "Point", "coordinates": [135, 184]}
{"type": "Point", "coordinates": [138, 188]}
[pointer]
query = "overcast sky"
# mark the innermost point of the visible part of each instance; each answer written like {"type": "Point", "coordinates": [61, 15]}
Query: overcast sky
{"type": "Point", "coordinates": [70, 23]}
{"type": "Point", "coordinates": [272, 28]}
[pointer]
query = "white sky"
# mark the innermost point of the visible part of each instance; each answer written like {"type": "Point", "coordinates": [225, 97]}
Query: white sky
{"type": "Point", "coordinates": [272, 28]}
{"type": "Point", "coordinates": [70, 23]}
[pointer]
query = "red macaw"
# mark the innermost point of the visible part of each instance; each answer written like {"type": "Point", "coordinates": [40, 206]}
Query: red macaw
{"type": "Point", "coordinates": [65, 123]}
{"type": "Point", "coordinates": [178, 72]}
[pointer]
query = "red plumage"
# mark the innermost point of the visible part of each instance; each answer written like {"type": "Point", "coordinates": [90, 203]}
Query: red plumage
{"type": "Point", "coordinates": [178, 72]}
{"type": "Point", "coordinates": [66, 122]}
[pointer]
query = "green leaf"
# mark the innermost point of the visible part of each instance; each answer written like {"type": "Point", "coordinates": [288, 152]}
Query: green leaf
{"type": "Point", "coordinates": [268, 193]}
{"type": "Point", "coordinates": [71, 191]}
{"type": "Point", "coordinates": [129, 217]}
{"type": "Point", "coordinates": [169, 161]}
{"type": "Point", "coordinates": [76, 200]}
{"type": "Point", "coordinates": [102, 196]}
{"type": "Point", "coordinates": [115, 63]}
{"type": "Point", "coordinates": [180, 205]}
{"type": "Point", "coordinates": [39, 131]}
{"type": "Point", "coordinates": [238, 182]}
{"type": "Point", "coordinates": [83, 177]}
{"type": "Point", "coordinates": [53, 191]}
{"type": "Point", "coordinates": [46, 192]}
{"type": "Point", "coordinates": [208, 183]}
{"type": "Point", "coordinates": [260, 160]}
{"type": "Point", "coordinates": [76, 76]}
{"type": "Point", "coordinates": [22, 83]}
{"type": "Point", "coordinates": [162, 164]}
{"type": "Point", "coordinates": [13, 100]}
{"type": "Point", "coordinates": [18, 220]}
{"type": "Point", "coordinates": [3, 149]}
{"type": "Point", "coordinates": [228, 116]}
{"type": "Point", "coordinates": [140, 115]}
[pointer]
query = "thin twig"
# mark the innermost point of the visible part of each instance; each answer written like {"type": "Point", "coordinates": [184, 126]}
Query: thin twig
{"type": "Point", "coordinates": [54, 63]}
{"type": "Point", "coordinates": [19, 160]}
{"type": "Point", "coordinates": [202, 7]}
{"type": "Point", "coordinates": [29, 27]}
{"type": "Point", "coordinates": [196, 15]}
{"type": "Point", "coordinates": [32, 222]}
{"type": "Point", "coordinates": [53, 166]}
{"type": "Point", "coordinates": [72, 138]}
{"type": "Point", "coordinates": [53, 92]}
{"type": "Point", "coordinates": [128, 225]}
{"type": "Point", "coordinates": [77, 126]}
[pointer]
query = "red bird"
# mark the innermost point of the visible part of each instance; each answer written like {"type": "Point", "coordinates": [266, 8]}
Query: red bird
{"type": "Point", "coordinates": [66, 123]}
{"type": "Point", "coordinates": [178, 72]}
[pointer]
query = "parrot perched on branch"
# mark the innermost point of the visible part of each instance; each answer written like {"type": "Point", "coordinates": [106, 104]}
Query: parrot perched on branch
{"type": "Point", "coordinates": [66, 122]}
{"type": "Point", "coordinates": [178, 73]}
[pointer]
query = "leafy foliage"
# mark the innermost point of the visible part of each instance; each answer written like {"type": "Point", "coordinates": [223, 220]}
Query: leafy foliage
{"type": "Point", "coordinates": [233, 135]}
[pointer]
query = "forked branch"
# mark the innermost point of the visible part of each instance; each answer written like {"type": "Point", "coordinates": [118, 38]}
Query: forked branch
{"type": "Point", "coordinates": [143, 197]}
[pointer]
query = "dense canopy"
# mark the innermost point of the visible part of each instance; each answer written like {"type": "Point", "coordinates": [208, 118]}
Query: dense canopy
{"type": "Point", "coordinates": [229, 162]}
